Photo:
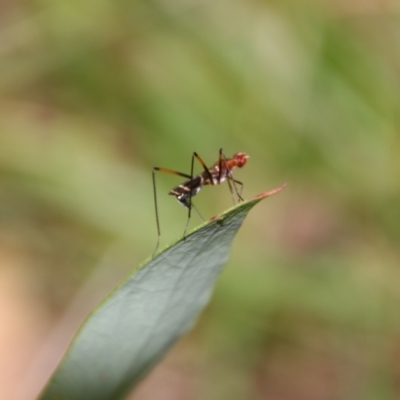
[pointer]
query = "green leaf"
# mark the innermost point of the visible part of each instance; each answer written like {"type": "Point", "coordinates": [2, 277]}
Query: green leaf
{"type": "Point", "coordinates": [145, 315]}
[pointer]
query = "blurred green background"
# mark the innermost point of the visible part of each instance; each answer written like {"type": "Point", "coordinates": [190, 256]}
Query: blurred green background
{"type": "Point", "coordinates": [96, 93]}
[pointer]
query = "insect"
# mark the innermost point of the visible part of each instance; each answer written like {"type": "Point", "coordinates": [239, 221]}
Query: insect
{"type": "Point", "coordinates": [215, 175]}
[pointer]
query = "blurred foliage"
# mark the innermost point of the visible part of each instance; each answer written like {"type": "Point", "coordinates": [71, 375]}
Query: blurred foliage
{"type": "Point", "coordinates": [93, 94]}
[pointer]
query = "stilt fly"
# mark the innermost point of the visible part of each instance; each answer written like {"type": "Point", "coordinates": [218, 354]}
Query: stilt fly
{"type": "Point", "coordinates": [215, 175]}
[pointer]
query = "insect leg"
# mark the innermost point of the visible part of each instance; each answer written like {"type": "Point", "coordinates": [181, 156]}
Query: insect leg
{"type": "Point", "coordinates": [168, 171]}
{"type": "Point", "coordinates": [204, 167]}
{"type": "Point", "coordinates": [228, 175]}
{"type": "Point", "coordinates": [230, 178]}
{"type": "Point", "coordinates": [220, 159]}
{"type": "Point", "coordinates": [156, 209]}
{"type": "Point", "coordinates": [240, 189]}
{"type": "Point", "coordinates": [207, 171]}
{"type": "Point", "coordinates": [190, 197]}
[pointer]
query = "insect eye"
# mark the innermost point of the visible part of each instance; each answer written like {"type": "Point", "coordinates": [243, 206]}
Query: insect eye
{"type": "Point", "coordinates": [241, 159]}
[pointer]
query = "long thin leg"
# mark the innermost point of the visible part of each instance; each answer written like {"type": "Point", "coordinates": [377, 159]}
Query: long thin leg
{"type": "Point", "coordinates": [187, 221]}
{"type": "Point", "coordinates": [204, 167]}
{"type": "Point", "coordinates": [241, 187]}
{"type": "Point", "coordinates": [197, 212]}
{"type": "Point", "coordinates": [190, 196]}
{"type": "Point", "coordinates": [220, 160]}
{"type": "Point", "coordinates": [171, 171]}
{"type": "Point", "coordinates": [203, 164]}
{"type": "Point", "coordinates": [207, 171]}
{"type": "Point", "coordinates": [230, 177]}
{"type": "Point", "coordinates": [230, 189]}
{"type": "Point", "coordinates": [156, 209]}
{"type": "Point", "coordinates": [190, 205]}
{"type": "Point", "coordinates": [168, 171]}
{"type": "Point", "coordinates": [223, 159]}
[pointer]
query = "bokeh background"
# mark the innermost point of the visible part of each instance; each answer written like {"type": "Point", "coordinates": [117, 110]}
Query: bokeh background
{"type": "Point", "coordinates": [96, 93]}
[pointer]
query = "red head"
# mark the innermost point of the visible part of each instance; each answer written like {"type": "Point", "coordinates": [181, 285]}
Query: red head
{"type": "Point", "coordinates": [240, 159]}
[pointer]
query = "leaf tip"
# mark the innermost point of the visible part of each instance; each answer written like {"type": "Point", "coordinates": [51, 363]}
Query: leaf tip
{"type": "Point", "coordinates": [271, 192]}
